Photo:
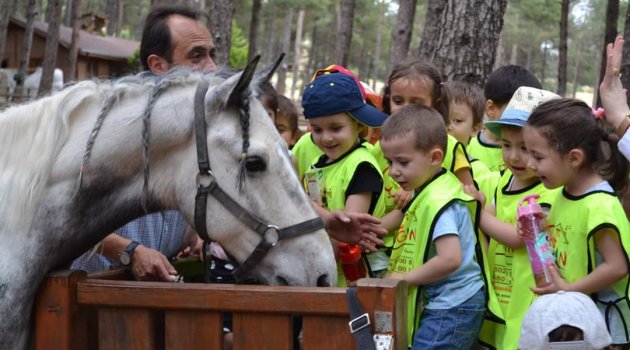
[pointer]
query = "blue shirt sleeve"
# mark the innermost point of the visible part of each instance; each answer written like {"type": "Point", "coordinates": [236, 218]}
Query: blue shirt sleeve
{"type": "Point", "coordinates": [449, 221]}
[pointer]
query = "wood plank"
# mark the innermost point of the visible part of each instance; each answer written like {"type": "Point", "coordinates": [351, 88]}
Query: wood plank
{"type": "Point", "coordinates": [190, 330]}
{"type": "Point", "coordinates": [262, 331]}
{"type": "Point", "coordinates": [128, 329]}
{"type": "Point", "coordinates": [198, 296]}
{"type": "Point", "coordinates": [59, 321]}
{"type": "Point", "coordinates": [330, 333]}
{"type": "Point", "coordinates": [386, 295]}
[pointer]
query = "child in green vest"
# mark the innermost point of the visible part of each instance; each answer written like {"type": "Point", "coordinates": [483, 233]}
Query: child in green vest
{"type": "Point", "coordinates": [571, 148]}
{"type": "Point", "coordinates": [465, 119]}
{"type": "Point", "coordinates": [434, 250]}
{"type": "Point", "coordinates": [418, 82]}
{"type": "Point", "coordinates": [499, 88]}
{"type": "Point", "coordinates": [346, 176]}
{"type": "Point", "coordinates": [509, 270]}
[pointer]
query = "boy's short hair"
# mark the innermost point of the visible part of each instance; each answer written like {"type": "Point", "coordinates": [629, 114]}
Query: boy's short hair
{"type": "Point", "coordinates": [503, 82]}
{"type": "Point", "coordinates": [286, 108]}
{"type": "Point", "coordinates": [424, 124]}
{"type": "Point", "coordinates": [468, 94]}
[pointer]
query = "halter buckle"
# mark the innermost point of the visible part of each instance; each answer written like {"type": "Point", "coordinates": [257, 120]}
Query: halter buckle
{"type": "Point", "coordinates": [274, 228]}
{"type": "Point", "coordinates": [204, 180]}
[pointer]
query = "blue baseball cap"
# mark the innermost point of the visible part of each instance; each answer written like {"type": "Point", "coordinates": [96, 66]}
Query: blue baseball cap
{"type": "Point", "coordinates": [336, 93]}
{"type": "Point", "coordinates": [521, 105]}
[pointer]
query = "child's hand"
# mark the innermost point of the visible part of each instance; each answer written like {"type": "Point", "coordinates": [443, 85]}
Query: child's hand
{"type": "Point", "coordinates": [472, 191]}
{"type": "Point", "coordinates": [558, 283]}
{"type": "Point", "coordinates": [402, 197]}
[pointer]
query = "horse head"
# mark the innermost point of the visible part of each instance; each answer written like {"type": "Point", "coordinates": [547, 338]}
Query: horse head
{"type": "Point", "coordinates": [257, 209]}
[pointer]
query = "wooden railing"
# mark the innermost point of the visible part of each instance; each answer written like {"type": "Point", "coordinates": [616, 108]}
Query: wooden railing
{"type": "Point", "coordinates": [74, 312]}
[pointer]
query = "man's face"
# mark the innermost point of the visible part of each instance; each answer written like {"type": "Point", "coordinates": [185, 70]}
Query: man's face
{"type": "Point", "coordinates": [192, 44]}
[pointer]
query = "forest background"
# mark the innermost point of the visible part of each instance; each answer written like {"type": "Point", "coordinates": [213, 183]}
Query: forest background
{"type": "Point", "coordinates": [560, 41]}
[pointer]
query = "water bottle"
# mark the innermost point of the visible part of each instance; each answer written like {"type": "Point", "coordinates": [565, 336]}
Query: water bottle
{"type": "Point", "coordinates": [351, 263]}
{"type": "Point", "coordinates": [533, 225]}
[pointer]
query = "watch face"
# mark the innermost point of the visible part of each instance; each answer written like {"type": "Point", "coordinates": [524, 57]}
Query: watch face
{"type": "Point", "coordinates": [125, 258]}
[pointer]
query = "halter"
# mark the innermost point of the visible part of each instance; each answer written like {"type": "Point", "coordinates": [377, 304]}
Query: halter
{"type": "Point", "coordinates": [270, 234]}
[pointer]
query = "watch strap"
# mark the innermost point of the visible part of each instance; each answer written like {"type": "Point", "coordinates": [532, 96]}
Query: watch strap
{"type": "Point", "coordinates": [131, 248]}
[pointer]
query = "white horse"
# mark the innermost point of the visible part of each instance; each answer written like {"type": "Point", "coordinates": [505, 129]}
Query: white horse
{"type": "Point", "coordinates": [59, 197]}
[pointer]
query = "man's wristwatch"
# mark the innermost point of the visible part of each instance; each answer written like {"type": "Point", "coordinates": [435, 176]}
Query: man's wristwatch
{"type": "Point", "coordinates": [127, 254]}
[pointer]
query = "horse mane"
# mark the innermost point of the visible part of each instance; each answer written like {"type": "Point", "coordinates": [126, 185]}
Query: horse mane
{"type": "Point", "coordinates": [32, 134]}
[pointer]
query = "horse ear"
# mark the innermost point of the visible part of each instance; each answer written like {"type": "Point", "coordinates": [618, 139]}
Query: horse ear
{"type": "Point", "coordinates": [244, 80]}
{"type": "Point", "coordinates": [267, 73]}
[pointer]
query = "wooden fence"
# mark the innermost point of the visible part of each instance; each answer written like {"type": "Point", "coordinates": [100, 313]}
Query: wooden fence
{"type": "Point", "coordinates": [106, 311]}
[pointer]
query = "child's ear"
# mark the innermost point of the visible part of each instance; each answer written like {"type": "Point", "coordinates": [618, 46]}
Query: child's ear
{"type": "Point", "coordinates": [492, 110]}
{"type": "Point", "coordinates": [437, 156]}
{"type": "Point", "coordinates": [575, 157]}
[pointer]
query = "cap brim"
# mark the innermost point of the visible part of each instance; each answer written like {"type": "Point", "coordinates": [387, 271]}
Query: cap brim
{"type": "Point", "coordinates": [368, 115]}
{"type": "Point", "coordinates": [495, 125]}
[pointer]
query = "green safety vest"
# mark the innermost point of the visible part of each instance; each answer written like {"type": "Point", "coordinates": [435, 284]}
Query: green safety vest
{"type": "Point", "coordinates": [332, 181]}
{"type": "Point", "coordinates": [575, 220]}
{"type": "Point", "coordinates": [510, 271]}
{"type": "Point", "coordinates": [487, 153]}
{"type": "Point", "coordinates": [304, 151]}
{"type": "Point", "coordinates": [486, 179]}
{"type": "Point", "coordinates": [411, 248]}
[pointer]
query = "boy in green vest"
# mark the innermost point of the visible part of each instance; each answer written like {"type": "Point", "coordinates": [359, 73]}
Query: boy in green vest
{"type": "Point", "coordinates": [498, 91]}
{"type": "Point", "coordinates": [434, 249]}
{"type": "Point", "coordinates": [508, 267]}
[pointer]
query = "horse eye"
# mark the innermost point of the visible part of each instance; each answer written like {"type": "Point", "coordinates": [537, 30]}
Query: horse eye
{"type": "Point", "coordinates": [255, 164]}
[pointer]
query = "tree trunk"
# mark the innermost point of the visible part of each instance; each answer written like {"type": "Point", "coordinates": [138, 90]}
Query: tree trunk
{"type": "Point", "coordinates": [379, 41]}
{"type": "Point", "coordinates": [562, 49]}
{"type": "Point", "coordinates": [625, 58]}
{"type": "Point", "coordinates": [67, 16]}
{"type": "Point", "coordinates": [528, 62]}
{"type": "Point", "coordinates": [221, 13]}
{"type": "Point", "coordinates": [514, 54]}
{"type": "Point", "coordinates": [500, 56]}
{"type": "Point", "coordinates": [432, 30]}
{"type": "Point", "coordinates": [297, 51]}
{"type": "Point", "coordinates": [73, 53]}
{"type": "Point", "coordinates": [270, 43]}
{"type": "Point", "coordinates": [344, 39]}
{"type": "Point", "coordinates": [52, 42]}
{"type": "Point", "coordinates": [114, 12]}
{"type": "Point", "coordinates": [576, 68]}
{"type": "Point", "coordinates": [254, 24]}
{"type": "Point", "coordinates": [286, 43]}
{"type": "Point", "coordinates": [5, 8]}
{"type": "Point", "coordinates": [27, 43]}
{"type": "Point", "coordinates": [612, 14]}
{"type": "Point", "coordinates": [401, 33]}
{"type": "Point", "coordinates": [467, 37]}
{"type": "Point", "coordinates": [543, 69]}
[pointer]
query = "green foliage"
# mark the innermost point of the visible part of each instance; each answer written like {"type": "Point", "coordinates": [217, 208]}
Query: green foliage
{"type": "Point", "coordinates": [238, 48]}
{"type": "Point", "coordinates": [134, 60]}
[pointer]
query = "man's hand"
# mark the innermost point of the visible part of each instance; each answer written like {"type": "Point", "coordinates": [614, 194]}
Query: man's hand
{"type": "Point", "coordinates": [355, 228]}
{"type": "Point", "coordinates": [150, 265]}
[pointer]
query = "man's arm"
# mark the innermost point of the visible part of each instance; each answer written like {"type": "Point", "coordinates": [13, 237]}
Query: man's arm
{"type": "Point", "coordinates": [354, 228]}
{"type": "Point", "coordinates": [146, 263]}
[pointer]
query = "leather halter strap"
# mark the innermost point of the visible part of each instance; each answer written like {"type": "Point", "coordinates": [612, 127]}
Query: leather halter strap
{"type": "Point", "coordinates": [270, 234]}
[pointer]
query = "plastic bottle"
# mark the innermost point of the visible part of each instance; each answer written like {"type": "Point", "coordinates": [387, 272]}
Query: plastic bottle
{"type": "Point", "coordinates": [351, 263]}
{"type": "Point", "coordinates": [532, 222]}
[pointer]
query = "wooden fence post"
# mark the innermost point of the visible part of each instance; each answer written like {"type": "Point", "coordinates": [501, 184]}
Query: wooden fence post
{"type": "Point", "coordinates": [59, 321]}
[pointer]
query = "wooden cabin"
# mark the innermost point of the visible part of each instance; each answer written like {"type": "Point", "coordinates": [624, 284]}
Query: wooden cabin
{"type": "Point", "coordinates": [99, 56]}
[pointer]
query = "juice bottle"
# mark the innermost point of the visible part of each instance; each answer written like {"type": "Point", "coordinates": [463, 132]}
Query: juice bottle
{"type": "Point", "coordinates": [533, 226]}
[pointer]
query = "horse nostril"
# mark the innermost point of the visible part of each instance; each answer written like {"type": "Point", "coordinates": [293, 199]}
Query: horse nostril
{"type": "Point", "coordinates": [282, 281]}
{"type": "Point", "coordinates": [323, 281]}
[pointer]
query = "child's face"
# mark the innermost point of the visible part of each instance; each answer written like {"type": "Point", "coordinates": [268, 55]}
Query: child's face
{"type": "Point", "coordinates": [405, 91]}
{"type": "Point", "coordinates": [460, 122]}
{"type": "Point", "coordinates": [409, 166]}
{"type": "Point", "coordinates": [284, 128]}
{"type": "Point", "coordinates": [335, 134]}
{"type": "Point", "coordinates": [515, 154]}
{"type": "Point", "coordinates": [549, 165]}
